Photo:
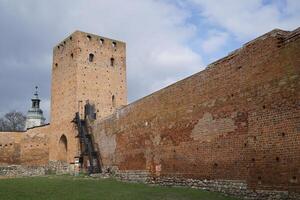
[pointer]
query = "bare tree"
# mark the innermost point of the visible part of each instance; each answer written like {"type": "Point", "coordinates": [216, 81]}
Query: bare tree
{"type": "Point", "coordinates": [13, 121]}
{"type": "Point", "coordinates": [3, 125]}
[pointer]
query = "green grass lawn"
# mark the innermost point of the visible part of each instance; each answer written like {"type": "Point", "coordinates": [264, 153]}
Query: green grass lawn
{"type": "Point", "coordinates": [75, 188]}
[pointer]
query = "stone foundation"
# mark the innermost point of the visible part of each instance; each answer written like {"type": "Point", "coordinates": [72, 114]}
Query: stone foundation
{"type": "Point", "coordinates": [136, 176]}
{"type": "Point", "coordinates": [237, 188]}
{"type": "Point", "coordinates": [18, 170]}
{"type": "Point", "coordinates": [58, 167]}
{"type": "Point", "coordinates": [54, 167]}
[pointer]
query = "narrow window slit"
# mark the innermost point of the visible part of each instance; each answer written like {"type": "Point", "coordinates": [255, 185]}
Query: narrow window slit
{"type": "Point", "coordinates": [113, 99]}
{"type": "Point", "coordinates": [91, 57]}
{"type": "Point", "coordinates": [112, 62]}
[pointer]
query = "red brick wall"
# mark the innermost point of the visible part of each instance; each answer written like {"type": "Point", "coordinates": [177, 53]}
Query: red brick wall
{"type": "Point", "coordinates": [35, 146]}
{"type": "Point", "coordinates": [28, 148]}
{"type": "Point", "coordinates": [10, 150]}
{"type": "Point", "coordinates": [236, 120]}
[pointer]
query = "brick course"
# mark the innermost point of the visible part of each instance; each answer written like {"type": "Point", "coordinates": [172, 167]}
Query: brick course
{"type": "Point", "coordinates": [236, 120]}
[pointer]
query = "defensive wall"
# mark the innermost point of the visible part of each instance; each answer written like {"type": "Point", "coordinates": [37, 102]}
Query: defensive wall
{"type": "Point", "coordinates": [233, 127]}
{"type": "Point", "coordinates": [30, 148]}
{"type": "Point", "coordinates": [238, 121]}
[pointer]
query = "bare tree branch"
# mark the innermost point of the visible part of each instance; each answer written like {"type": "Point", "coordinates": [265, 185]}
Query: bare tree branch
{"type": "Point", "coordinates": [13, 121]}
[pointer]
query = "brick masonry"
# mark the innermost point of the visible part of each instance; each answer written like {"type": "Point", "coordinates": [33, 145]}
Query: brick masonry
{"type": "Point", "coordinates": [234, 123]}
{"type": "Point", "coordinates": [76, 78]}
{"type": "Point", "coordinates": [236, 120]}
{"type": "Point", "coordinates": [85, 67]}
{"type": "Point", "coordinates": [27, 148]}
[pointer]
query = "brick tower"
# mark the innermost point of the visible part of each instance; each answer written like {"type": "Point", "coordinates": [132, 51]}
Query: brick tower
{"type": "Point", "coordinates": [86, 67]}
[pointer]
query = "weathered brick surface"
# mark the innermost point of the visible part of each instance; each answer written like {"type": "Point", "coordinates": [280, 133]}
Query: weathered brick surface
{"type": "Point", "coordinates": [235, 123]}
{"type": "Point", "coordinates": [236, 120]}
{"type": "Point", "coordinates": [29, 148]}
{"type": "Point", "coordinates": [76, 79]}
{"type": "Point", "coordinates": [35, 146]}
{"type": "Point", "coordinates": [10, 151]}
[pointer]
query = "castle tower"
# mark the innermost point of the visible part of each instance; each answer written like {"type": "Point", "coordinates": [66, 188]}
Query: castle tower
{"type": "Point", "coordinates": [35, 115]}
{"type": "Point", "coordinates": [86, 67]}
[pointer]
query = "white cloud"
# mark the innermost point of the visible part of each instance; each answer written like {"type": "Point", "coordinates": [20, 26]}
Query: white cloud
{"type": "Point", "coordinates": [248, 19]}
{"type": "Point", "coordinates": [156, 32]}
{"type": "Point", "coordinates": [214, 42]}
{"type": "Point", "coordinates": [161, 84]}
{"type": "Point", "coordinates": [159, 35]}
{"type": "Point", "coordinates": [173, 64]}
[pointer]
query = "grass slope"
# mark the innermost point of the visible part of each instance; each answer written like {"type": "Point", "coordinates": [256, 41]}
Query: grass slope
{"type": "Point", "coordinates": [61, 187]}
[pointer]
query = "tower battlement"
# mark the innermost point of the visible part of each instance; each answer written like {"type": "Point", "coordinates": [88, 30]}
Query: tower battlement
{"type": "Point", "coordinates": [87, 67]}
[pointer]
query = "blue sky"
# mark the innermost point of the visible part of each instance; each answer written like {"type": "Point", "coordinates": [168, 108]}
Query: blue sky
{"type": "Point", "coordinates": [167, 40]}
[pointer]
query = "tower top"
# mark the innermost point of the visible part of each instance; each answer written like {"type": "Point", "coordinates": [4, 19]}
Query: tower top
{"type": "Point", "coordinates": [87, 67]}
{"type": "Point", "coordinates": [35, 114]}
{"type": "Point", "coordinates": [79, 35]}
{"type": "Point", "coordinates": [36, 92]}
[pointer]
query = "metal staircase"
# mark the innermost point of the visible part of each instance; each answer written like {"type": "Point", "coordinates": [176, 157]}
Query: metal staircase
{"type": "Point", "coordinates": [86, 143]}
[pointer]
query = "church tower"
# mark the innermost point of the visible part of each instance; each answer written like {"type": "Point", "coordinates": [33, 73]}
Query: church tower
{"type": "Point", "coordinates": [35, 115]}
{"type": "Point", "coordinates": [86, 67]}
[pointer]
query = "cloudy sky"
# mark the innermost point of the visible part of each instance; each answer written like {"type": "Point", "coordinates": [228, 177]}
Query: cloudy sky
{"type": "Point", "coordinates": [167, 40]}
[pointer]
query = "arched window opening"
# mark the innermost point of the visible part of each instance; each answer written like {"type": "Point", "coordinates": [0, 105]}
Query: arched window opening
{"type": "Point", "coordinates": [88, 37]}
{"type": "Point", "coordinates": [114, 44]}
{"type": "Point", "coordinates": [63, 148]}
{"type": "Point", "coordinates": [91, 57]}
{"type": "Point", "coordinates": [112, 62]}
{"type": "Point", "coordinates": [72, 55]}
{"type": "Point", "coordinates": [113, 99]}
